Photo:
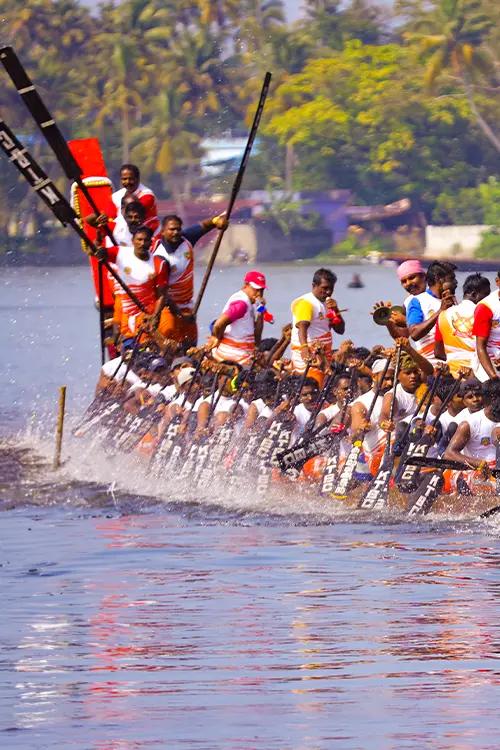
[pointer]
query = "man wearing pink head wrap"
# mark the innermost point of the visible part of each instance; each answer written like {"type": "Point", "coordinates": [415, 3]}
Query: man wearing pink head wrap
{"type": "Point", "coordinates": [412, 277]}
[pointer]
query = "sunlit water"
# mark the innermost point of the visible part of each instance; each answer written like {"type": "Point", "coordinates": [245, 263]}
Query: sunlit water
{"type": "Point", "coordinates": [136, 616]}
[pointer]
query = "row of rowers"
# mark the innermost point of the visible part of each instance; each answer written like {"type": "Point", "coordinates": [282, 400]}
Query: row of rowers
{"type": "Point", "coordinates": [464, 334]}
{"type": "Point", "coordinates": [206, 398]}
{"type": "Point", "coordinates": [160, 272]}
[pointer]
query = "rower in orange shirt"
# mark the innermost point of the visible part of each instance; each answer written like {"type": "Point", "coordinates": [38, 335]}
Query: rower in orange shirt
{"type": "Point", "coordinates": [175, 246]}
{"type": "Point", "coordinates": [146, 277]}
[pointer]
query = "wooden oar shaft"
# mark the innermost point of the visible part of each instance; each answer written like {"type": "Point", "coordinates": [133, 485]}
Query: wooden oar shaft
{"type": "Point", "coordinates": [236, 187]}
{"type": "Point", "coordinates": [60, 427]}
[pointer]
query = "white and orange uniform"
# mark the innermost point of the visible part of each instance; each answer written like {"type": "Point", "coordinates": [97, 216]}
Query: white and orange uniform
{"type": "Point", "coordinates": [145, 196]}
{"type": "Point", "coordinates": [310, 309]}
{"type": "Point", "coordinates": [180, 263]}
{"type": "Point", "coordinates": [421, 307]}
{"type": "Point", "coordinates": [374, 439]}
{"type": "Point", "coordinates": [181, 271]}
{"type": "Point", "coordinates": [143, 277]}
{"type": "Point", "coordinates": [487, 325]}
{"type": "Point", "coordinates": [238, 341]}
{"type": "Point", "coordinates": [480, 445]}
{"type": "Point", "coordinates": [454, 329]}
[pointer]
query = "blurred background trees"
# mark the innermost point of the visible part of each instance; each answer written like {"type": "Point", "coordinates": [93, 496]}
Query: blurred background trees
{"type": "Point", "coordinates": [387, 102]}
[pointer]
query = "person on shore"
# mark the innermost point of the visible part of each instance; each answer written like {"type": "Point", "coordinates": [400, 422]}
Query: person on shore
{"type": "Point", "coordinates": [454, 341]}
{"type": "Point", "coordinates": [315, 315]}
{"type": "Point", "coordinates": [486, 329]}
{"type": "Point", "coordinates": [423, 309]}
{"type": "Point", "coordinates": [238, 330]}
{"type": "Point", "coordinates": [175, 247]}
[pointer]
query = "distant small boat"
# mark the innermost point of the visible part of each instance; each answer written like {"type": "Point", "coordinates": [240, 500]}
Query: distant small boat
{"type": "Point", "coordinates": [356, 282]}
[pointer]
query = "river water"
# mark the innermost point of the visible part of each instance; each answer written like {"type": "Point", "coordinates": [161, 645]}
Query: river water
{"type": "Point", "coordinates": [136, 616]}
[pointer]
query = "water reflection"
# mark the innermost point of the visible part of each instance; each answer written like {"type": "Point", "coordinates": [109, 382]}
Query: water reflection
{"type": "Point", "coordinates": [141, 633]}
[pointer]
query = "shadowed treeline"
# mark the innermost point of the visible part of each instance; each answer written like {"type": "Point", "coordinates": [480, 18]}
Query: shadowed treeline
{"type": "Point", "coordinates": [388, 104]}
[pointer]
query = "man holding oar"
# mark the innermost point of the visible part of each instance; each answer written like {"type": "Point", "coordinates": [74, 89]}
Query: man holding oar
{"type": "Point", "coordinates": [175, 247]}
{"type": "Point", "coordinates": [474, 442]}
{"type": "Point", "coordinates": [145, 276]}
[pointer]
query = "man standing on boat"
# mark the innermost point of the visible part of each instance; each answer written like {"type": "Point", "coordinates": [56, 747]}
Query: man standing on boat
{"type": "Point", "coordinates": [487, 332]}
{"type": "Point", "coordinates": [238, 330]}
{"type": "Point", "coordinates": [133, 189]}
{"type": "Point", "coordinates": [454, 341]}
{"type": "Point", "coordinates": [315, 316]}
{"type": "Point", "coordinates": [175, 247]}
{"type": "Point", "coordinates": [424, 309]}
{"type": "Point", "coordinates": [145, 276]}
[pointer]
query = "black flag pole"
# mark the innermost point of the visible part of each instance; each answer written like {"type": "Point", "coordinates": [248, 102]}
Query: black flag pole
{"type": "Point", "coordinates": [236, 186]}
{"type": "Point", "coordinates": [46, 123]}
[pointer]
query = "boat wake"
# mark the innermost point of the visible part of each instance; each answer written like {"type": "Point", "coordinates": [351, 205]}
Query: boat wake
{"type": "Point", "coordinates": [91, 480]}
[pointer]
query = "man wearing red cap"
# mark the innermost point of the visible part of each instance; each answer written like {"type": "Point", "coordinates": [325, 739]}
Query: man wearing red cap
{"type": "Point", "coordinates": [238, 329]}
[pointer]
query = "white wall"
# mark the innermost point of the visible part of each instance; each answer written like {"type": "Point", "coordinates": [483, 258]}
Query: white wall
{"type": "Point", "coordinates": [454, 241]}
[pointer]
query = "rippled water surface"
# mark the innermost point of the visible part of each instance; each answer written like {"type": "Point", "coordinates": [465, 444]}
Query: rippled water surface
{"type": "Point", "coordinates": [142, 617]}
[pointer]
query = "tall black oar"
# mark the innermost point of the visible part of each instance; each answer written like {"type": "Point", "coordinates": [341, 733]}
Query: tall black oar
{"type": "Point", "coordinates": [52, 197]}
{"type": "Point", "coordinates": [196, 452]}
{"type": "Point", "coordinates": [346, 475]}
{"type": "Point", "coordinates": [406, 474]}
{"type": "Point", "coordinates": [236, 187]}
{"type": "Point", "coordinates": [447, 463]}
{"type": "Point", "coordinates": [409, 478]}
{"type": "Point", "coordinates": [329, 474]}
{"type": "Point", "coordinates": [172, 438]}
{"type": "Point", "coordinates": [421, 501]}
{"type": "Point", "coordinates": [276, 438]}
{"type": "Point", "coordinates": [100, 287]}
{"type": "Point", "coordinates": [41, 115]}
{"type": "Point", "coordinates": [377, 494]}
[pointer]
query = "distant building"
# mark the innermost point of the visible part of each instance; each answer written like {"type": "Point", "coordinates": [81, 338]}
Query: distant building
{"type": "Point", "coordinates": [221, 154]}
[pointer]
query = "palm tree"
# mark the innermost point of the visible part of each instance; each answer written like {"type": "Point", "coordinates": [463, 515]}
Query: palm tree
{"type": "Point", "coordinates": [164, 144]}
{"type": "Point", "coordinates": [453, 42]}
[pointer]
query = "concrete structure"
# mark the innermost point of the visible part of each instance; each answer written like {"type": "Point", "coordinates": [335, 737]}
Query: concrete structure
{"type": "Point", "coordinates": [259, 240]}
{"type": "Point", "coordinates": [453, 241]}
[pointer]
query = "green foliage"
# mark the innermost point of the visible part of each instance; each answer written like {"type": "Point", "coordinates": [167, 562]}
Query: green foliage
{"type": "Point", "coordinates": [348, 105]}
{"type": "Point", "coordinates": [490, 245]}
{"type": "Point", "coordinates": [353, 246]}
{"type": "Point", "coordinates": [490, 198]}
{"type": "Point", "coordinates": [463, 207]}
{"type": "Point", "coordinates": [288, 213]}
{"type": "Point", "coordinates": [477, 205]}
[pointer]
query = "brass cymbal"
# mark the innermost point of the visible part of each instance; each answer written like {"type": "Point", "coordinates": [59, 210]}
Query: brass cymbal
{"type": "Point", "coordinates": [382, 315]}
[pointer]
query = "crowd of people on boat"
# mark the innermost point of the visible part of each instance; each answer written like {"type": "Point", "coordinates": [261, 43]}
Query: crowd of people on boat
{"type": "Point", "coordinates": [299, 408]}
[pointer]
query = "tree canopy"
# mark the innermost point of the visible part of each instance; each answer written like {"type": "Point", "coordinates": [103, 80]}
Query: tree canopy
{"type": "Point", "coordinates": [387, 105]}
